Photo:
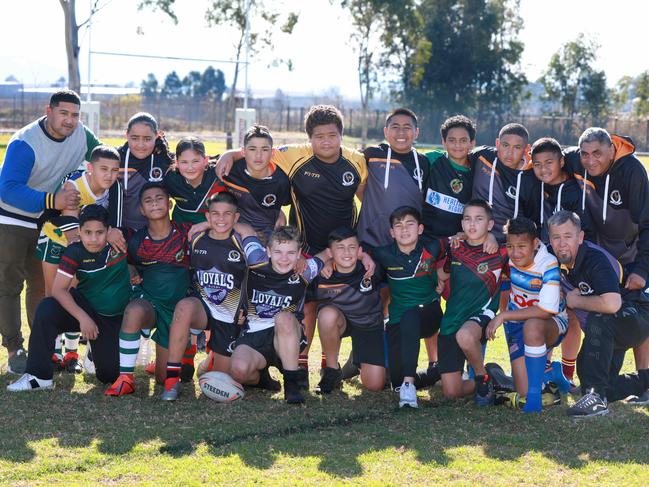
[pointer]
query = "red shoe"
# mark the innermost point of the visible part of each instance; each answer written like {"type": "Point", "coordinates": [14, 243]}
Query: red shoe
{"type": "Point", "coordinates": [150, 369]}
{"type": "Point", "coordinates": [122, 386]}
{"type": "Point", "coordinates": [57, 360]}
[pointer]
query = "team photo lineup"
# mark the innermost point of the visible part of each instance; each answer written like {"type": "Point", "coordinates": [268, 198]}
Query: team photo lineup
{"type": "Point", "coordinates": [254, 254]}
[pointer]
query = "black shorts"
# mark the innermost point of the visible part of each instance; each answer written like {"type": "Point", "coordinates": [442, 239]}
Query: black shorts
{"type": "Point", "coordinates": [222, 334]}
{"type": "Point", "coordinates": [450, 357]}
{"type": "Point", "coordinates": [367, 345]}
{"type": "Point", "coordinates": [262, 342]}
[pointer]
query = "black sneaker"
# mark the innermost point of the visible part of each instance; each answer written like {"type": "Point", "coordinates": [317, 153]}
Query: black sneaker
{"type": "Point", "coordinates": [187, 372]}
{"type": "Point", "coordinates": [502, 383]}
{"type": "Point", "coordinates": [484, 392]}
{"type": "Point", "coordinates": [428, 377]}
{"type": "Point", "coordinates": [331, 379]}
{"type": "Point", "coordinates": [590, 405]}
{"type": "Point", "coordinates": [303, 378]}
{"type": "Point", "coordinates": [642, 400]}
{"type": "Point", "coordinates": [292, 393]}
{"type": "Point", "coordinates": [267, 382]}
{"type": "Point", "coordinates": [350, 369]}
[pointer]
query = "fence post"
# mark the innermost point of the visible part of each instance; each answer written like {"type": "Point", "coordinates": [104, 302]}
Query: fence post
{"type": "Point", "coordinates": [288, 118]}
{"type": "Point", "coordinates": [646, 140]}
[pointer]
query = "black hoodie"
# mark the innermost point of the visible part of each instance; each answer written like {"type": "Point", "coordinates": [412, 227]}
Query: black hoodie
{"type": "Point", "coordinates": [618, 205]}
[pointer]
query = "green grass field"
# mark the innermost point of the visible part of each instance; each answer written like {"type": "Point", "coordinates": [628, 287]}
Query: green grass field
{"type": "Point", "coordinates": [75, 434]}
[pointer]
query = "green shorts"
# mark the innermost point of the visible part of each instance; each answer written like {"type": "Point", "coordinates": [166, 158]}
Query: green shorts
{"type": "Point", "coordinates": [48, 250]}
{"type": "Point", "coordinates": [163, 317]}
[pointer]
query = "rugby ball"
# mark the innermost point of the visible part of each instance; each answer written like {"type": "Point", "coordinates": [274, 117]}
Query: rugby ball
{"type": "Point", "coordinates": [220, 387]}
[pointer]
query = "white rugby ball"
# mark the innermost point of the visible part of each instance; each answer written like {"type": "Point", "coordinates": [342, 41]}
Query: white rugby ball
{"type": "Point", "coordinates": [220, 387]}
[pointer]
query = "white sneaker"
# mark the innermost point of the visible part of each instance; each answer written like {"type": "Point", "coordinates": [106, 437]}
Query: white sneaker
{"type": "Point", "coordinates": [30, 383]}
{"type": "Point", "coordinates": [88, 365]}
{"type": "Point", "coordinates": [408, 395]}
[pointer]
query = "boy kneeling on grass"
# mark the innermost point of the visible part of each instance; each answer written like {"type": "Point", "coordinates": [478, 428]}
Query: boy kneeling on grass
{"type": "Point", "coordinates": [475, 282]}
{"type": "Point", "coordinates": [535, 319]}
{"type": "Point", "coordinates": [94, 307]}
{"type": "Point", "coordinates": [273, 333]}
{"type": "Point", "coordinates": [350, 305]}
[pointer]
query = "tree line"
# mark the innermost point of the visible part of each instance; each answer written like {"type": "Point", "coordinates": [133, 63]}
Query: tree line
{"type": "Point", "coordinates": [210, 85]}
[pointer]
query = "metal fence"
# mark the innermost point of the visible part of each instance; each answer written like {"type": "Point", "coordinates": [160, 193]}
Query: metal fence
{"type": "Point", "coordinates": [208, 118]}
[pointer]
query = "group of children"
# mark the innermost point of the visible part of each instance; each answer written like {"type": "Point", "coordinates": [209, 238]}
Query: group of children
{"type": "Point", "coordinates": [466, 225]}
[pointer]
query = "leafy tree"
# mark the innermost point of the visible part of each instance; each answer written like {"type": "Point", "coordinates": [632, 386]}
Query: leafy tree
{"type": "Point", "coordinates": [621, 93]}
{"type": "Point", "coordinates": [641, 100]}
{"type": "Point", "coordinates": [212, 84]}
{"type": "Point", "coordinates": [568, 70]}
{"type": "Point", "coordinates": [172, 87]}
{"type": "Point", "coordinates": [192, 85]}
{"type": "Point", "coordinates": [472, 60]}
{"type": "Point", "coordinates": [595, 96]}
{"type": "Point", "coordinates": [149, 87]}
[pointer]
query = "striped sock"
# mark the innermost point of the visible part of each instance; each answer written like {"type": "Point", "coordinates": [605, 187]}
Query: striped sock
{"type": "Point", "coordinates": [303, 361]}
{"type": "Point", "coordinates": [129, 345]}
{"type": "Point", "coordinates": [568, 366]}
{"type": "Point", "coordinates": [173, 370]}
{"type": "Point", "coordinates": [71, 342]}
{"type": "Point", "coordinates": [188, 356]}
{"type": "Point", "coordinates": [58, 347]}
{"type": "Point", "coordinates": [535, 364]}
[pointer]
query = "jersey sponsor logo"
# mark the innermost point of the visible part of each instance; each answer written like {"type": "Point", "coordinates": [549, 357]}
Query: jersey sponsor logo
{"type": "Point", "coordinates": [482, 268]}
{"type": "Point", "coordinates": [269, 200]}
{"type": "Point", "coordinates": [213, 278]}
{"type": "Point", "coordinates": [200, 251]}
{"type": "Point", "coordinates": [615, 198]}
{"type": "Point", "coordinates": [457, 185]}
{"type": "Point", "coordinates": [522, 301]}
{"type": "Point", "coordinates": [444, 202]}
{"type": "Point", "coordinates": [310, 174]}
{"type": "Point", "coordinates": [294, 279]}
{"type": "Point", "coordinates": [234, 256]}
{"type": "Point", "coordinates": [348, 178]}
{"type": "Point", "coordinates": [268, 303]}
{"type": "Point", "coordinates": [511, 192]}
{"type": "Point", "coordinates": [366, 285]}
{"type": "Point", "coordinates": [155, 175]}
{"type": "Point", "coordinates": [536, 283]}
{"type": "Point", "coordinates": [584, 288]}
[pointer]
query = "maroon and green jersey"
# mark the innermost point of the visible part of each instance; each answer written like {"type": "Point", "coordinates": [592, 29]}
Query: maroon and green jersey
{"type": "Point", "coordinates": [103, 277]}
{"type": "Point", "coordinates": [191, 203]}
{"type": "Point", "coordinates": [412, 277]}
{"type": "Point", "coordinates": [162, 264]}
{"type": "Point", "coordinates": [475, 284]}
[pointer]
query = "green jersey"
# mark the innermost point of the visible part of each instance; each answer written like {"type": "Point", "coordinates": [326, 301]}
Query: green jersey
{"type": "Point", "coordinates": [103, 277]}
{"type": "Point", "coordinates": [412, 277]}
{"type": "Point", "coordinates": [475, 284]}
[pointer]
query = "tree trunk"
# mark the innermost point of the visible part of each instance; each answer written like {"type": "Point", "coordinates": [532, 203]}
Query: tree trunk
{"type": "Point", "coordinates": [72, 44]}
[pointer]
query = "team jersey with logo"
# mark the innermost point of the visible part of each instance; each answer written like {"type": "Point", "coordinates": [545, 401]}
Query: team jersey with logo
{"type": "Point", "coordinates": [219, 271]}
{"type": "Point", "coordinates": [269, 293]}
{"type": "Point", "coordinates": [191, 203]}
{"type": "Point", "coordinates": [103, 277]}
{"type": "Point", "coordinates": [401, 185]}
{"type": "Point", "coordinates": [322, 194]}
{"type": "Point", "coordinates": [537, 285]}
{"type": "Point", "coordinates": [616, 202]}
{"type": "Point", "coordinates": [475, 281]}
{"type": "Point", "coordinates": [412, 277]}
{"type": "Point", "coordinates": [356, 296]}
{"type": "Point", "coordinates": [448, 189]}
{"type": "Point", "coordinates": [79, 180]}
{"type": "Point", "coordinates": [503, 187]}
{"type": "Point", "coordinates": [595, 272]}
{"type": "Point", "coordinates": [135, 173]}
{"type": "Point", "coordinates": [564, 196]}
{"type": "Point", "coordinates": [162, 264]}
{"type": "Point", "coordinates": [260, 200]}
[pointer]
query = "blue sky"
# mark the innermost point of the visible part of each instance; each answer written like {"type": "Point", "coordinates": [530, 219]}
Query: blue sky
{"type": "Point", "coordinates": [320, 50]}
